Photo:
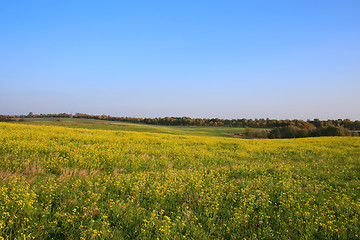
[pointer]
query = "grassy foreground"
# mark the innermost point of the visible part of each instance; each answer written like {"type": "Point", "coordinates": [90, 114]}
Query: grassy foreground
{"type": "Point", "coordinates": [73, 183]}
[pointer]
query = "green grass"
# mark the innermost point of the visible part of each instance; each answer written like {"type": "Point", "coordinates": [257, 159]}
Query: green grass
{"type": "Point", "coordinates": [125, 126]}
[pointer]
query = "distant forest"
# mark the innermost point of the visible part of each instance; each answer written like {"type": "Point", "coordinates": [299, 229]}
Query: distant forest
{"type": "Point", "coordinates": [187, 121]}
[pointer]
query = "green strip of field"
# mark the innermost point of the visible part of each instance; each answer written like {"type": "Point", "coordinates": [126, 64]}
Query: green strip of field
{"type": "Point", "coordinates": [125, 126]}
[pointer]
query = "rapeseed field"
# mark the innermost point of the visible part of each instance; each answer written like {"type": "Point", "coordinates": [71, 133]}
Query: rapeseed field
{"type": "Point", "coordinates": [74, 183]}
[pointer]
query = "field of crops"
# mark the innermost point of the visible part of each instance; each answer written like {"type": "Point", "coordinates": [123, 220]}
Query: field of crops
{"type": "Point", "coordinates": [75, 183]}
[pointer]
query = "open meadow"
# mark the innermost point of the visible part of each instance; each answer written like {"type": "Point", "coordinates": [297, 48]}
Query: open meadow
{"type": "Point", "coordinates": [126, 126]}
{"type": "Point", "coordinates": [79, 180]}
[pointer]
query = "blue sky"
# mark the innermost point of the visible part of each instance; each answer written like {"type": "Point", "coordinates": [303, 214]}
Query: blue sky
{"type": "Point", "coordinates": [226, 59]}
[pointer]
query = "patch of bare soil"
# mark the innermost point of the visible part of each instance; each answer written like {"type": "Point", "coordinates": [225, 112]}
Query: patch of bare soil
{"type": "Point", "coordinates": [235, 135]}
{"type": "Point", "coordinates": [117, 124]}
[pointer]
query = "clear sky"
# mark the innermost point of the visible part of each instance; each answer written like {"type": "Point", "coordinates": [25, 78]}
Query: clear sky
{"type": "Point", "coordinates": [225, 59]}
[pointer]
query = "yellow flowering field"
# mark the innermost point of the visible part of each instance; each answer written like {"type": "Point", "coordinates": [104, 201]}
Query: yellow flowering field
{"type": "Point", "coordinates": [74, 183]}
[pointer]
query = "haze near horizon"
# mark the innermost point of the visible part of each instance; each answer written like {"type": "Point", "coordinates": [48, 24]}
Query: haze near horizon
{"type": "Point", "coordinates": [228, 59]}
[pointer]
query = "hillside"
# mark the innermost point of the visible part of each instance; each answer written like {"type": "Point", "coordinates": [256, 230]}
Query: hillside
{"type": "Point", "coordinates": [136, 127]}
{"type": "Point", "coordinates": [134, 182]}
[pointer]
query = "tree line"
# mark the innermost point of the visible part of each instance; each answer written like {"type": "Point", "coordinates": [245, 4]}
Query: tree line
{"type": "Point", "coordinates": [216, 122]}
{"type": "Point", "coordinates": [308, 130]}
